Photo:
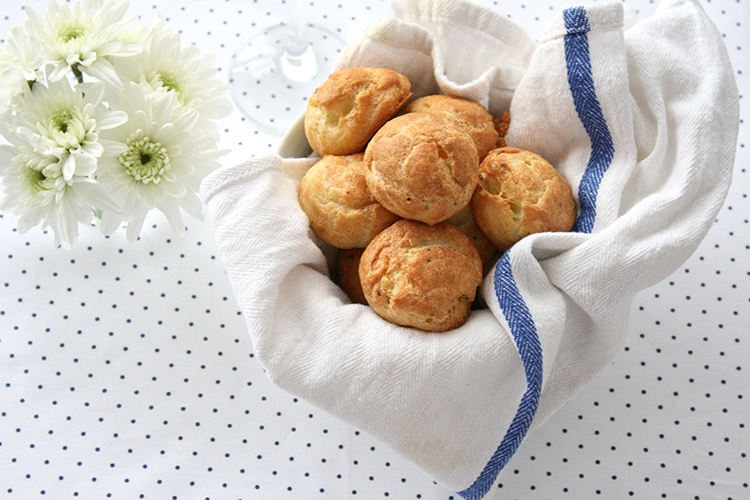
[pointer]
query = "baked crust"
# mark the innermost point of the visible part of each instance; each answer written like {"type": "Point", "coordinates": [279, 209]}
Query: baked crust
{"type": "Point", "coordinates": [502, 124]}
{"type": "Point", "coordinates": [350, 106]}
{"type": "Point", "coordinates": [421, 276]}
{"type": "Point", "coordinates": [421, 166]}
{"type": "Point", "coordinates": [520, 193]}
{"type": "Point", "coordinates": [333, 194]}
{"type": "Point", "coordinates": [347, 274]}
{"type": "Point", "coordinates": [471, 116]}
{"type": "Point", "coordinates": [464, 220]}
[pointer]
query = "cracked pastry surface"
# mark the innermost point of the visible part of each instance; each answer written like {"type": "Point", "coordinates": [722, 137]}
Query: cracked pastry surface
{"type": "Point", "coordinates": [520, 193]}
{"type": "Point", "coordinates": [342, 211]}
{"type": "Point", "coordinates": [350, 106]}
{"type": "Point", "coordinates": [422, 276]}
{"type": "Point", "coordinates": [471, 116]}
{"type": "Point", "coordinates": [422, 167]}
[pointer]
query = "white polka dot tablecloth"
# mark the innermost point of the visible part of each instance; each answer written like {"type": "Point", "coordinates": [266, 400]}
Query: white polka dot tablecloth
{"type": "Point", "coordinates": [126, 370]}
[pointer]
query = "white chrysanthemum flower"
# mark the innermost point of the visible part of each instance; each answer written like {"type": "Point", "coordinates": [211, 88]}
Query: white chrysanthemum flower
{"type": "Point", "coordinates": [37, 193]}
{"type": "Point", "coordinates": [20, 64]}
{"type": "Point", "coordinates": [166, 67]}
{"type": "Point", "coordinates": [50, 165]}
{"type": "Point", "coordinates": [82, 36]}
{"type": "Point", "coordinates": [156, 160]}
{"type": "Point", "coordinates": [62, 122]}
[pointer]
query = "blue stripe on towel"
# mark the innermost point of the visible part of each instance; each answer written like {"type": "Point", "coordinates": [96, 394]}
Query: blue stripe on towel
{"type": "Point", "coordinates": [581, 83]}
{"type": "Point", "coordinates": [524, 333]}
{"type": "Point", "coordinates": [510, 300]}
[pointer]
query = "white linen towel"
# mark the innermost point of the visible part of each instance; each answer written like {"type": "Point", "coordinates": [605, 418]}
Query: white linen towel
{"type": "Point", "coordinates": [642, 120]}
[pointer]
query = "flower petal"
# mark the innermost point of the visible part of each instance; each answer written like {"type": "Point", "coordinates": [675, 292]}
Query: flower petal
{"type": "Point", "coordinates": [58, 73]}
{"type": "Point", "coordinates": [104, 71]}
{"type": "Point", "coordinates": [174, 216]}
{"type": "Point", "coordinates": [67, 228]}
{"type": "Point", "coordinates": [192, 204]}
{"type": "Point", "coordinates": [97, 197]}
{"type": "Point", "coordinates": [111, 120]}
{"type": "Point", "coordinates": [94, 91]}
{"type": "Point", "coordinates": [69, 167]}
{"type": "Point", "coordinates": [7, 153]}
{"type": "Point", "coordinates": [85, 165]}
{"type": "Point", "coordinates": [134, 225]}
{"type": "Point", "coordinates": [110, 223]}
{"type": "Point", "coordinates": [174, 189]}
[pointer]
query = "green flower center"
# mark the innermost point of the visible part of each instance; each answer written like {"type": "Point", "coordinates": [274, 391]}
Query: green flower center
{"type": "Point", "coordinates": [36, 181]}
{"type": "Point", "coordinates": [71, 32]}
{"type": "Point", "coordinates": [168, 81]}
{"type": "Point", "coordinates": [68, 127]}
{"type": "Point", "coordinates": [61, 119]}
{"type": "Point", "coordinates": [145, 160]}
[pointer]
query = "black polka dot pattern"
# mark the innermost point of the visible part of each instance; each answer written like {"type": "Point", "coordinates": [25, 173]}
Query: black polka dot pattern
{"type": "Point", "coordinates": [126, 370]}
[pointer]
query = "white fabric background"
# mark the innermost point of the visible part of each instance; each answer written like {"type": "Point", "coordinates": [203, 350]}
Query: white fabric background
{"type": "Point", "coordinates": [126, 369]}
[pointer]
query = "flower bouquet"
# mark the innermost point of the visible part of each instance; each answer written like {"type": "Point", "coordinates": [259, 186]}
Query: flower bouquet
{"type": "Point", "coordinates": [104, 120]}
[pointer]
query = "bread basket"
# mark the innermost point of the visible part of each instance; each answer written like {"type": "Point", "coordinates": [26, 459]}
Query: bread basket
{"type": "Point", "coordinates": [619, 110]}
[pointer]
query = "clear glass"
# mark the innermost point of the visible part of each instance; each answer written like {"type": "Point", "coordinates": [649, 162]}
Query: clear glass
{"type": "Point", "coordinates": [276, 69]}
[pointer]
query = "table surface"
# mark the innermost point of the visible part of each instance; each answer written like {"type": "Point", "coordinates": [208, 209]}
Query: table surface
{"type": "Point", "coordinates": [127, 371]}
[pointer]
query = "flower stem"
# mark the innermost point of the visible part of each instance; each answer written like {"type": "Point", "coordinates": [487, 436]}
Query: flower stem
{"type": "Point", "coordinates": [77, 73]}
